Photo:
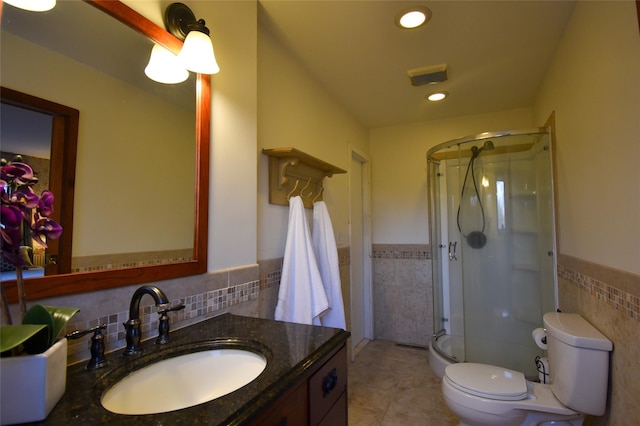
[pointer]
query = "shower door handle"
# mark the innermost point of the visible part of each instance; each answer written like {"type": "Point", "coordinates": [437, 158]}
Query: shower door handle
{"type": "Point", "coordinates": [452, 253]}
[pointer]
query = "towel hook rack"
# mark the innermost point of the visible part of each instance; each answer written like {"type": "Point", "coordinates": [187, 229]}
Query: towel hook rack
{"type": "Point", "coordinates": [293, 190]}
{"type": "Point", "coordinates": [305, 187]}
{"type": "Point", "coordinates": [288, 164]}
{"type": "Point", "coordinates": [319, 193]}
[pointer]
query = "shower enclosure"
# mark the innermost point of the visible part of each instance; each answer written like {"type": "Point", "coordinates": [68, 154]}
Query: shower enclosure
{"type": "Point", "coordinates": [493, 242]}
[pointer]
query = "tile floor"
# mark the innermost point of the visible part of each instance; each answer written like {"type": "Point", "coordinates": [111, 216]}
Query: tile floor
{"type": "Point", "coordinates": [390, 384]}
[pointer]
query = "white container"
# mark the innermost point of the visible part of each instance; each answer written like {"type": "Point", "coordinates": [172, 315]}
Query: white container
{"type": "Point", "coordinates": [31, 385]}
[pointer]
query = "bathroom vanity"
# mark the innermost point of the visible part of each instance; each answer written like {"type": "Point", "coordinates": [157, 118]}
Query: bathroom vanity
{"type": "Point", "coordinates": [304, 382]}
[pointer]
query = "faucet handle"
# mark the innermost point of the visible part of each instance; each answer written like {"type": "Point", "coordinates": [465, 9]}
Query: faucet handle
{"type": "Point", "coordinates": [98, 359]}
{"type": "Point", "coordinates": [163, 324]}
{"type": "Point", "coordinates": [173, 309]}
{"type": "Point", "coordinates": [76, 334]}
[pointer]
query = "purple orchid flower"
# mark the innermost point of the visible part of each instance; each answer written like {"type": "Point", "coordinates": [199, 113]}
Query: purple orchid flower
{"type": "Point", "coordinates": [25, 197]}
{"type": "Point", "coordinates": [11, 172]}
{"type": "Point", "coordinates": [11, 216]}
{"type": "Point", "coordinates": [11, 246]}
{"type": "Point", "coordinates": [45, 205]}
{"type": "Point", "coordinates": [47, 228]}
{"type": "Point", "coordinates": [18, 201]}
{"type": "Point", "coordinates": [19, 173]}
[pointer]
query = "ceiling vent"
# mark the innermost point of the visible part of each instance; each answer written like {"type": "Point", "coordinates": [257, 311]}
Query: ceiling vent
{"type": "Point", "coordinates": [428, 75]}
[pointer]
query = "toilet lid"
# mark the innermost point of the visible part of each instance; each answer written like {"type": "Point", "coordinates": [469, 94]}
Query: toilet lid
{"type": "Point", "coordinates": [487, 381]}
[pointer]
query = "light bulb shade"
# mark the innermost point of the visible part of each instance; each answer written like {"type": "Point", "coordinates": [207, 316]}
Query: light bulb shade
{"type": "Point", "coordinates": [197, 54]}
{"type": "Point", "coordinates": [33, 5]}
{"type": "Point", "coordinates": [164, 67]}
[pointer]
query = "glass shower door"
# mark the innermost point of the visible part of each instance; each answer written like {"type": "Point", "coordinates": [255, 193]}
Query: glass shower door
{"type": "Point", "coordinates": [507, 282]}
{"type": "Point", "coordinates": [447, 289]}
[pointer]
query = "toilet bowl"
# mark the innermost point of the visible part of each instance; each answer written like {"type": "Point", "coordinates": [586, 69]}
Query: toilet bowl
{"type": "Point", "coordinates": [486, 395]}
{"type": "Point", "coordinates": [578, 354]}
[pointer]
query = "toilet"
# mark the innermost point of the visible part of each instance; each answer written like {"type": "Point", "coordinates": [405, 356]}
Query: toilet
{"type": "Point", "coordinates": [487, 395]}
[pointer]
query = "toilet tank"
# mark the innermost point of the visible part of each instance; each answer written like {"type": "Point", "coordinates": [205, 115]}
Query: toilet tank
{"type": "Point", "coordinates": [578, 362]}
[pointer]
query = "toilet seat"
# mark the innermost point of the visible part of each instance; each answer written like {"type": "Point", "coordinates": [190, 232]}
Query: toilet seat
{"type": "Point", "coordinates": [487, 381]}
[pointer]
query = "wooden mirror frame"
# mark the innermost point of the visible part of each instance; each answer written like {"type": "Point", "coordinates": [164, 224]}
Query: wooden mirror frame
{"type": "Point", "coordinates": [65, 284]}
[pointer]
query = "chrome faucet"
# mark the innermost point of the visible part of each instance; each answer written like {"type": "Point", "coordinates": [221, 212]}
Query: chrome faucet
{"type": "Point", "coordinates": [132, 326]}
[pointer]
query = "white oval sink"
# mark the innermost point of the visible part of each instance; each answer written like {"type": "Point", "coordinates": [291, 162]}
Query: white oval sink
{"type": "Point", "coordinates": [183, 381]}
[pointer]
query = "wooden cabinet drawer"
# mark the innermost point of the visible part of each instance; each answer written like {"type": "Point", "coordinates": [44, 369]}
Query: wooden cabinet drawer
{"type": "Point", "coordinates": [338, 415]}
{"type": "Point", "coordinates": [290, 411]}
{"type": "Point", "coordinates": [327, 385]}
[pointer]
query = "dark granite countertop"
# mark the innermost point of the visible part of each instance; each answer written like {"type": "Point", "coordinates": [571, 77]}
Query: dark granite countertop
{"type": "Point", "coordinates": [291, 351]}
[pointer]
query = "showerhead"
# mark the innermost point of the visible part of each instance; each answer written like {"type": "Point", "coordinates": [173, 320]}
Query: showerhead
{"type": "Point", "coordinates": [475, 151]}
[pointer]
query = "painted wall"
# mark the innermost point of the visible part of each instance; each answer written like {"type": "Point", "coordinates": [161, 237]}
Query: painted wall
{"type": "Point", "coordinates": [321, 128]}
{"type": "Point", "coordinates": [232, 203]}
{"type": "Point", "coordinates": [399, 169]}
{"type": "Point", "coordinates": [594, 87]}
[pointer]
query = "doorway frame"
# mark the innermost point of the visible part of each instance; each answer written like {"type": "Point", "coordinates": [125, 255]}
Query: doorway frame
{"type": "Point", "coordinates": [356, 154]}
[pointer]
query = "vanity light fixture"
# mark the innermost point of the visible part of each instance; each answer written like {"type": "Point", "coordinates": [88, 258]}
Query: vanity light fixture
{"type": "Point", "coordinates": [197, 51]}
{"type": "Point", "coordinates": [164, 67]}
{"type": "Point", "coordinates": [413, 18]}
{"type": "Point", "coordinates": [33, 5]}
{"type": "Point", "coordinates": [437, 96]}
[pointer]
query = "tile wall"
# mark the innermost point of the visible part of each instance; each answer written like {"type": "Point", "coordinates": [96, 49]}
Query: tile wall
{"type": "Point", "coordinates": [251, 291]}
{"type": "Point", "coordinates": [610, 300]}
{"type": "Point", "coordinates": [204, 296]}
{"type": "Point", "coordinates": [402, 293]}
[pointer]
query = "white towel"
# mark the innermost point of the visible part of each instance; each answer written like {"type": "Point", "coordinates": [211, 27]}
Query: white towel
{"type": "Point", "coordinates": [301, 297]}
{"type": "Point", "coordinates": [326, 250]}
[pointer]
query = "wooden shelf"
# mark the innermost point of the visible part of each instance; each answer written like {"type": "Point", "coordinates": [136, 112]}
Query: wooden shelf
{"type": "Point", "coordinates": [289, 166]}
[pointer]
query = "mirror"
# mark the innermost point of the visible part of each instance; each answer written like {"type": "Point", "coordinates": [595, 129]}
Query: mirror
{"type": "Point", "coordinates": [137, 218]}
{"type": "Point", "coordinates": [45, 134]}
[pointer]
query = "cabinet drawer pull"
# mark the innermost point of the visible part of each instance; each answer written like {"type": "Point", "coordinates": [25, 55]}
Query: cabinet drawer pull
{"type": "Point", "coordinates": [329, 382]}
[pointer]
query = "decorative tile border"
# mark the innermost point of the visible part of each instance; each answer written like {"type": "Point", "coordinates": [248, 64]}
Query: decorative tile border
{"type": "Point", "coordinates": [129, 260]}
{"type": "Point", "coordinates": [197, 305]}
{"type": "Point", "coordinates": [401, 251]}
{"type": "Point", "coordinates": [618, 299]}
{"type": "Point", "coordinates": [271, 279]}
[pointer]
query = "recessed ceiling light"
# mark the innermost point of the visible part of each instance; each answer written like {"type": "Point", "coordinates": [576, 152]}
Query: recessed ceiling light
{"type": "Point", "coordinates": [437, 96]}
{"type": "Point", "coordinates": [413, 18]}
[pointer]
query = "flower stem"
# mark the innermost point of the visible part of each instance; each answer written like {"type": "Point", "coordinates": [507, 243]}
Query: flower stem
{"type": "Point", "coordinates": [22, 296]}
{"type": "Point", "coordinates": [6, 315]}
